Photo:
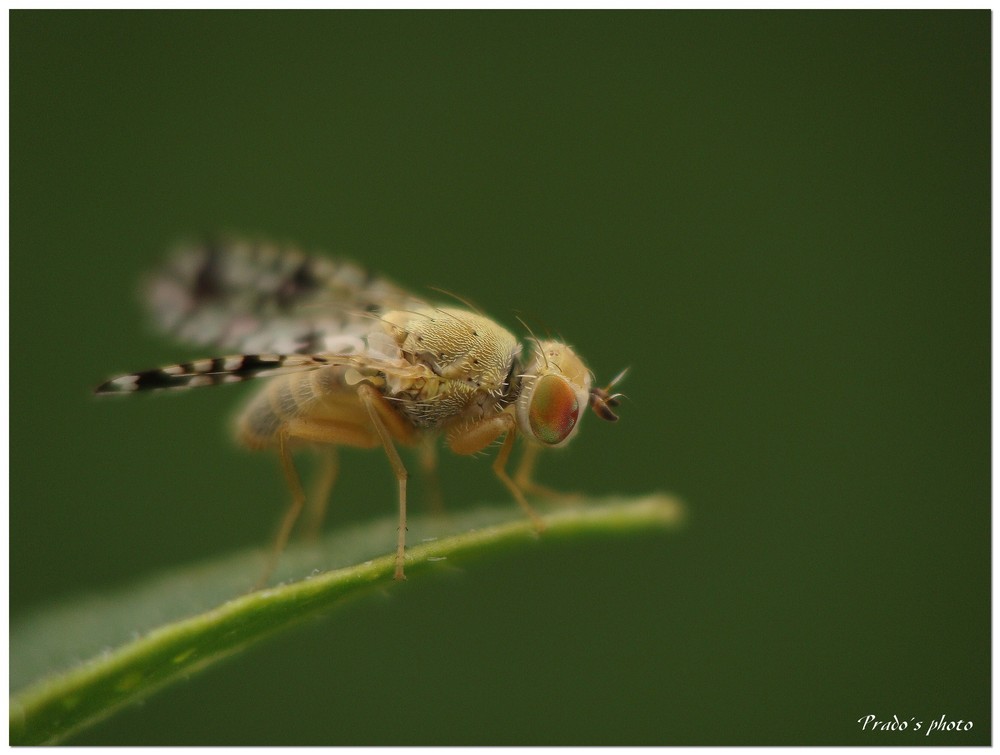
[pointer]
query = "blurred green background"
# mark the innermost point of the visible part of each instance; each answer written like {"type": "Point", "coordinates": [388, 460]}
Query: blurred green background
{"type": "Point", "coordinates": [779, 220]}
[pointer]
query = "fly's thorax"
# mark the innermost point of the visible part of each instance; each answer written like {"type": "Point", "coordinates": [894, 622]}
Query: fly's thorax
{"type": "Point", "coordinates": [555, 389]}
{"type": "Point", "coordinates": [463, 365]}
{"type": "Point", "coordinates": [433, 403]}
{"type": "Point", "coordinates": [456, 345]}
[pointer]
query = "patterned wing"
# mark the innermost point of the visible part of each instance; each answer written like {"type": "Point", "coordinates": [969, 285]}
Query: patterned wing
{"type": "Point", "coordinates": [230, 369]}
{"type": "Point", "coordinates": [262, 298]}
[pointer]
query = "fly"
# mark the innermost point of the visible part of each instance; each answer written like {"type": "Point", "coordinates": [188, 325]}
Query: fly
{"type": "Point", "coordinates": [354, 360]}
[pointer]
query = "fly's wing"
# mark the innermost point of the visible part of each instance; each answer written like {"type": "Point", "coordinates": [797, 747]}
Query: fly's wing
{"type": "Point", "coordinates": [218, 370]}
{"type": "Point", "coordinates": [259, 298]}
{"type": "Point", "coordinates": [239, 367]}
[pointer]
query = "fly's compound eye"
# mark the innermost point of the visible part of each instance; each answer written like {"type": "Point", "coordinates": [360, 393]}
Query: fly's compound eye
{"type": "Point", "coordinates": [554, 410]}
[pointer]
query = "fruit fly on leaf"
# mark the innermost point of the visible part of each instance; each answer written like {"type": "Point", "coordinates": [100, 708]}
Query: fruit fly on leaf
{"type": "Point", "coordinates": [354, 360]}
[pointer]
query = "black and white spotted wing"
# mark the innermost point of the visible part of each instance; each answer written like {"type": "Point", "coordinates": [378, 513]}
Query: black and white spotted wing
{"type": "Point", "coordinates": [259, 298]}
{"type": "Point", "coordinates": [216, 371]}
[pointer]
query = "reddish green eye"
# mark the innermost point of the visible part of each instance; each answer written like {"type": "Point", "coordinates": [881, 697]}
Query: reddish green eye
{"type": "Point", "coordinates": [554, 409]}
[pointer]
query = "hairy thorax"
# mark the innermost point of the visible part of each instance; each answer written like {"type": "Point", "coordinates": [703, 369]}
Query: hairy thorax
{"type": "Point", "coordinates": [467, 362]}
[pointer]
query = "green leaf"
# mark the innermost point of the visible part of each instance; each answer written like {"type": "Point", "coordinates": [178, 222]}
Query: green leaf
{"type": "Point", "coordinates": [77, 662]}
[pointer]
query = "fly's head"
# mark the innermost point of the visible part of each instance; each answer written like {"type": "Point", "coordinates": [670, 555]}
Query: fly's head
{"type": "Point", "coordinates": [555, 389]}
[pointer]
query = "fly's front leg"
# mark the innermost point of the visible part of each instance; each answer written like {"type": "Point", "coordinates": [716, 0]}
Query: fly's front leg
{"type": "Point", "coordinates": [500, 469]}
{"type": "Point", "coordinates": [475, 437]}
{"type": "Point", "coordinates": [523, 478]}
{"type": "Point", "coordinates": [388, 423]}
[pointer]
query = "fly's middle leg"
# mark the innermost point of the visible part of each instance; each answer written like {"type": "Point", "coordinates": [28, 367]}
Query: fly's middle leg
{"type": "Point", "coordinates": [319, 496]}
{"type": "Point", "coordinates": [388, 423]}
{"type": "Point", "coordinates": [429, 465]}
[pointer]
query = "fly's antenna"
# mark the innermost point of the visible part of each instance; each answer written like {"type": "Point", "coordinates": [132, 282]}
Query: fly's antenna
{"type": "Point", "coordinates": [534, 338]}
{"type": "Point", "coordinates": [617, 379]}
{"type": "Point", "coordinates": [603, 402]}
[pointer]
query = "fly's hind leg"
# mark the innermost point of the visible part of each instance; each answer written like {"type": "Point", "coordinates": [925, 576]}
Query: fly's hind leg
{"type": "Point", "coordinates": [294, 509]}
{"type": "Point", "coordinates": [319, 497]}
{"type": "Point", "coordinates": [387, 425]}
{"type": "Point", "coordinates": [315, 431]}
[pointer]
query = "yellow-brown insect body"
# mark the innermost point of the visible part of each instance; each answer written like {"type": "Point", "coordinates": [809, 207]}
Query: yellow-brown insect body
{"type": "Point", "coordinates": [352, 360]}
{"type": "Point", "coordinates": [438, 366]}
{"type": "Point", "coordinates": [467, 362]}
{"type": "Point", "coordinates": [320, 394]}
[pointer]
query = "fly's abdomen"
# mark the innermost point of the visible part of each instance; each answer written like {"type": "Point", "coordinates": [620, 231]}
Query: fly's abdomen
{"type": "Point", "coordinates": [289, 397]}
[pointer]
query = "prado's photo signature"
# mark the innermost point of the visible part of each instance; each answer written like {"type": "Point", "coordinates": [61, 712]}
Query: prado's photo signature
{"type": "Point", "coordinates": [871, 722]}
